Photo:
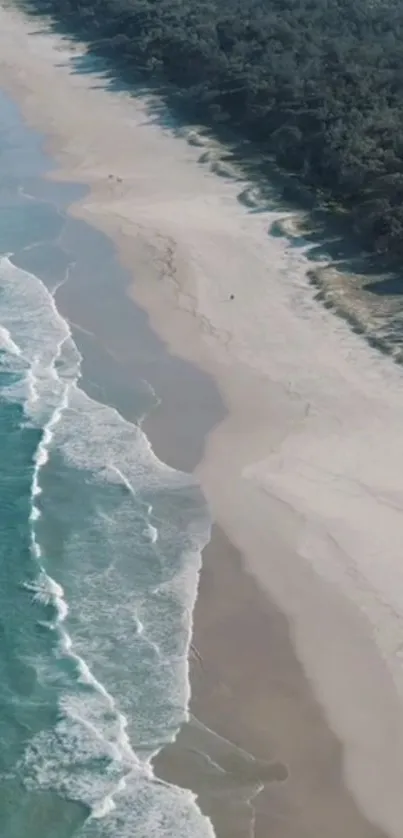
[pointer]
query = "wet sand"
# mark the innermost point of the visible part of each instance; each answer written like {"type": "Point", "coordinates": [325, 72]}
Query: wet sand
{"type": "Point", "coordinates": [276, 407]}
{"type": "Point", "coordinates": [257, 749]}
{"type": "Point", "coordinates": [248, 685]}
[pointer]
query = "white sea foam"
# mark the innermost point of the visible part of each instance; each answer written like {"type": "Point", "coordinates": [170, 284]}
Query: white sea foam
{"type": "Point", "coordinates": [7, 344]}
{"type": "Point", "coordinates": [89, 756]}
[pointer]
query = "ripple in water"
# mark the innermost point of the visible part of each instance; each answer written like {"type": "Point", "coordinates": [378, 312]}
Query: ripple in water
{"type": "Point", "coordinates": [115, 536]}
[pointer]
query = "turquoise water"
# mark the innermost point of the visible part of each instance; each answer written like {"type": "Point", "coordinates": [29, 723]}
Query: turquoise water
{"type": "Point", "coordinates": [99, 553]}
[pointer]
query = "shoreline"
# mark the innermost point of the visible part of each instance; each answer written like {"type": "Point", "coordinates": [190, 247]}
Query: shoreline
{"type": "Point", "coordinates": [264, 408]}
{"type": "Point", "coordinates": [283, 765]}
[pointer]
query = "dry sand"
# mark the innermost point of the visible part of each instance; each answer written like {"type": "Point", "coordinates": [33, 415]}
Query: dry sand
{"type": "Point", "coordinates": [248, 685]}
{"type": "Point", "coordinates": [305, 472]}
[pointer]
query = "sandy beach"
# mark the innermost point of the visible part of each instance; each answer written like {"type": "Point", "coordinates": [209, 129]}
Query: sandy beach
{"type": "Point", "coordinates": [297, 445]}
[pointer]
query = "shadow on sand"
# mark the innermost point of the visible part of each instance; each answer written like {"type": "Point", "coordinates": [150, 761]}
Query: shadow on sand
{"type": "Point", "coordinates": [355, 284]}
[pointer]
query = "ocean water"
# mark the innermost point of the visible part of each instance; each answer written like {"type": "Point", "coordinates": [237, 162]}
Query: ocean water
{"type": "Point", "coordinates": [99, 555]}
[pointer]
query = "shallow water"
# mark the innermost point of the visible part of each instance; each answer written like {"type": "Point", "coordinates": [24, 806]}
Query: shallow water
{"type": "Point", "coordinates": [99, 554]}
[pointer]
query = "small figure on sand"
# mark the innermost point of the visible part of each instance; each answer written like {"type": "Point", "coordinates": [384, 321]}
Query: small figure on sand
{"type": "Point", "coordinates": [232, 296]}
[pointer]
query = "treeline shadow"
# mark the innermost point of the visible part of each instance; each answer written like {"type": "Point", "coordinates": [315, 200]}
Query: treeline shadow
{"type": "Point", "coordinates": [325, 229]}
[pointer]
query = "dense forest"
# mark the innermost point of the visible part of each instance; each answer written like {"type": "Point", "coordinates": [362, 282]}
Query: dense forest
{"type": "Point", "coordinates": [317, 84]}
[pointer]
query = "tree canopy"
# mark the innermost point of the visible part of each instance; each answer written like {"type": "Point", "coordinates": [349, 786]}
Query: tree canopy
{"type": "Point", "coordinates": [318, 84]}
